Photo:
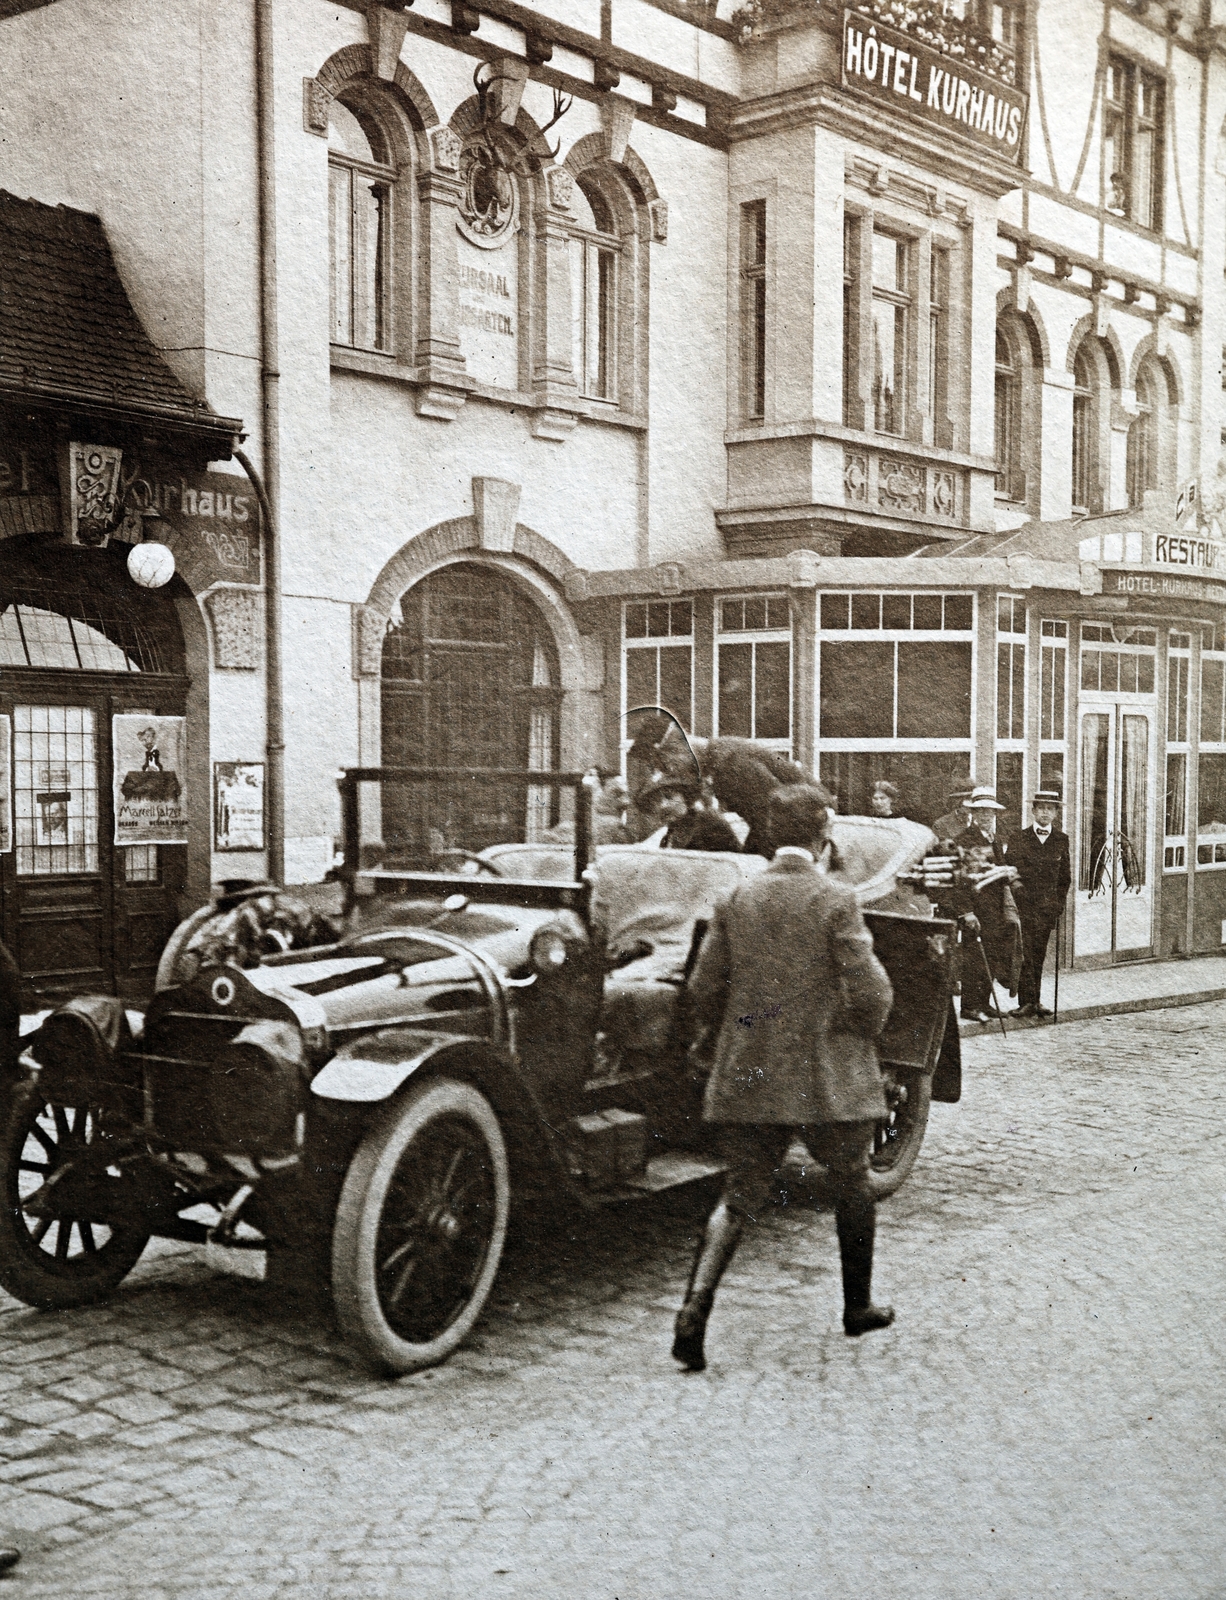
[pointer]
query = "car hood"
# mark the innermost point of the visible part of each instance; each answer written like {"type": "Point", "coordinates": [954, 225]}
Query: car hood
{"type": "Point", "coordinates": [420, 968]}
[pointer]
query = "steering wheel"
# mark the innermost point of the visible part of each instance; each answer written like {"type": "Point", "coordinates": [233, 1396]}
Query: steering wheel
{"type": "Point", "coordinates": [476, 861]}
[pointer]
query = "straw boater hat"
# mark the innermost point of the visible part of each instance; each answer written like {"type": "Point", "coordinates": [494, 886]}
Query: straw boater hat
{"type": "Point", "coordinates": [982, 798]}
{"type": "Point", "coordinates": [1045, 797]}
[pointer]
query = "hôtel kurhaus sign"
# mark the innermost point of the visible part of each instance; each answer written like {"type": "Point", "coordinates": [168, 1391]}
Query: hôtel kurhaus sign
{"type": "Point", "coordinates": [904, 75]}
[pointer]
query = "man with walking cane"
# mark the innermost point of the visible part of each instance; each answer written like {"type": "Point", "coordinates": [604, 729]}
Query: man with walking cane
{"type": "Point", "coordinates": [787, 980]}
{"type": "Point", "coordinates": [979, 898]}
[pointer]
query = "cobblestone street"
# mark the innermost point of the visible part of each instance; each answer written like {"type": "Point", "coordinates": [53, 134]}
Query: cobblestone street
{"type": "Point", "coordinates": [1045, 1418]}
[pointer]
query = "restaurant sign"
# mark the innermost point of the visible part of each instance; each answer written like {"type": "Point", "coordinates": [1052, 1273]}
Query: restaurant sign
{"type": "Point", "coordinates": [1196, 552]}
{"type": "Point", "coordinates": [897, 70]}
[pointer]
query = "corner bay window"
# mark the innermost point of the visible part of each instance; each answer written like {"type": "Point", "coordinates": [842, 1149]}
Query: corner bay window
{"type": "Point", "coordinates": [360, 176]}
{"type": "Point", "coordinates": [1211, 763]}
{"type": "Point", "coordinates": [754, 671]}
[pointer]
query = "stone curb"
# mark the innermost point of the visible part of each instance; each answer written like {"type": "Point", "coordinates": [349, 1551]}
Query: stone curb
{"type": "Point", "coordinates": [1157, 1002]}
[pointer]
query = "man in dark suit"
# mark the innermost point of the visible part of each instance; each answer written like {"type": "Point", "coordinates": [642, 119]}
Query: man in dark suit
{"type": "Point", "coordinates": [1041, 855]}
{"type": "Point", "coordinates": [788, 978]}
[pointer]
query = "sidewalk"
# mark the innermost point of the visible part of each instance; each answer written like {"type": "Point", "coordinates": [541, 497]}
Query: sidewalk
{"type": "Point", "coordinates": [1136, 986]}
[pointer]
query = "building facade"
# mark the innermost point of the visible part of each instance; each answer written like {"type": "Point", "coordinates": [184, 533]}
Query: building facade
{"type": "Point", "coordinates": [847, 378]}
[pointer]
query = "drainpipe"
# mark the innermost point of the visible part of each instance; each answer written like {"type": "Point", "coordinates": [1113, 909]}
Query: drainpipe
{"type": "Point", "coordinates": [269, 491]}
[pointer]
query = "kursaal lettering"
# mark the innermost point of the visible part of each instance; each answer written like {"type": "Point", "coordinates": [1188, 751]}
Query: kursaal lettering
{"type": "Point", "coordinates": [921, 81]}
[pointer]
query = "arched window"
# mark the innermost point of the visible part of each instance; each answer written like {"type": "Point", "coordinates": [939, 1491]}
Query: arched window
{"type": "Point", "coordinates": [595, 251]}
{"type": "Point", "coordinates": [360, 179]}
{"type": "Point", "coordinates": [1010, 478]}
{"type": "Point", "coordinates": [1149, 445]}
{"type": "Point", "coordinates": [1085, 428]}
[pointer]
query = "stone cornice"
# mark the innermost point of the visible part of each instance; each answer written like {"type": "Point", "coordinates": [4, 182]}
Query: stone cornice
{"type": "Point", "coordinates": [826, 106]}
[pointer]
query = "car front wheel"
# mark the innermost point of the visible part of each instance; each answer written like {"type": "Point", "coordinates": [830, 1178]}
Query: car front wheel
{"type": "Point", "coordinates": [420, 1226]}
{"type": "Point", "coordinates": [56, 1250]}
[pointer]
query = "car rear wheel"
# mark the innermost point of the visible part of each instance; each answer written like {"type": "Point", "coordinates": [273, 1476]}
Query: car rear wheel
{"type": "Point", "coordinates": [51, 1256]}
{"type": "Point", "coordinates": [420, 1226]}
{"type": "Point", "coordinates": [896, 1144]}
{"type": "Point", "coordinates": [899, 1134]}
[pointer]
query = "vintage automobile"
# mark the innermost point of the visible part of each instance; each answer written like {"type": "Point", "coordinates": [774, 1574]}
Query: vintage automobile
{"type": "Point", "coordinates": [358, 1099]}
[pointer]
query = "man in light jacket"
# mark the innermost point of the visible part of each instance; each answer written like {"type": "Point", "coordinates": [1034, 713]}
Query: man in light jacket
{"type": "Point", "coordinates": [787, 976]}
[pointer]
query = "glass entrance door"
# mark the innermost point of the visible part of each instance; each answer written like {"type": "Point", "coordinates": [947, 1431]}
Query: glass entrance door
{"type": "Point", "coordinates": [1115, 823]}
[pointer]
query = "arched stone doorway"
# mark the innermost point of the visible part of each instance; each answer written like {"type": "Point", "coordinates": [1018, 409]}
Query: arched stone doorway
{"type": "Point", "coordinates": [81, 644]}
{"type": "Point", "coordinates": [469, 678]}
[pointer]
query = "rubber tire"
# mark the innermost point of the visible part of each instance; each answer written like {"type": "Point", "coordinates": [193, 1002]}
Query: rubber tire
{"type": "Point", "coordinates": [360, 1210]}
{"type": "Point", "coordinates": [29, 1273]}
{"type": "Point", "coordinates": [888, 1180]}
{"type": "Point", "coordinates": [884, 1180]}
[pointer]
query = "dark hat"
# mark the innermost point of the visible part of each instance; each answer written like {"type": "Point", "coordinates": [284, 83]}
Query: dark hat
{"type": "Point", "coordinates": [667, 783]}
{"type": "Point", "coordinates": [798, 813]}
{"type": "Point", "coordinates": [1045, 797]}
{"type": "Point", "coordinates": [960, 785]}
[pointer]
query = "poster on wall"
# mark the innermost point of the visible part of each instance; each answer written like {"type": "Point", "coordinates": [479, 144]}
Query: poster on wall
{"type": "Point", "coordinates": [148, 776]}
{"type": "Point", "coordinates": [6, 785]}
{"type": "Point", "coordinates": [238, 805]}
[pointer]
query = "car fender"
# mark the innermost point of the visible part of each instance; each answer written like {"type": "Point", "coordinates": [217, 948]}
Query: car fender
{"type": "Point", "coordinates": [374, 1067]}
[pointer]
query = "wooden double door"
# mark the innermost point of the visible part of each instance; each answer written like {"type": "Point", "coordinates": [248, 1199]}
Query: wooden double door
{"type": "Point", "coordinates": [80, 914]}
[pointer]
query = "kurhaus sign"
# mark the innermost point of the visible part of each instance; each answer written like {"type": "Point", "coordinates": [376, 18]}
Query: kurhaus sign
{"type": "Point", "coordinates": [908, 76]}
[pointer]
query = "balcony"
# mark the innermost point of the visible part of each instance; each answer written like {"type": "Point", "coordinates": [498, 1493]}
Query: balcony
{"type": "Point", "coordinates": [933, 22]}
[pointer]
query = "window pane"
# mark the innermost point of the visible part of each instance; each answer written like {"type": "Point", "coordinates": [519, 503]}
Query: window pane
{"type": "Point", "coordinates": [1134, 800]}
{"type": "Point", "coordinates": [755, 613]}
{"type": "Point", "coordinates": [1010, 691]}
{"type": "Point", "coordinates": [836, 610]}
{"type": "Point", "coordinates": [48, 639]}
{"type": "Point", "coordinates": [1175, 808]}
{"type": "Point", "coordinates": [866, 610]}
{"type": "Point", "coordinates": [1211, 796]}
{"type": "Point", "coordinates": [1051, 771]}
{"type": "Point", "coordinates": [55, 789]}
{"type": "Point", "coordinates": [658, 619]}
{"type": "Point", "coordinates": [1010, 766]}
{"type": "Point", "coordinates": [1145, 674]}
{"type": "Point", "coordinates": [857, 693]}
{"type": "Point", "coordinates": [1051, 704]}
{"type": "Point", "coordinates": [889, 358]}
{"type": "Point", "coordinates": [369, 222]}
{"type": "Point", "coordinates": [1211, 681]}
{"type": "Point", "coordinates": [1092, 813]}
{"type": "Point", "coordinates": [636, 621]}
{"type": "Point", "coordinates": [642, 687]}
{"type": "Point", "coordinates": [341, 245]}
{"type": "Point", "coordinates": [12, 649]}
{"type": "Point", "coordinates": [928, 612]}
{"type": "Point", "coordinates": [675, 682]}
{"type": "Point", "coordinates": [140, 863]}
{"type": "Point", "coordinates": [1177, 698]}
{"type": "Point", "coordinates": [896, 611]}
{"type": "Point", "coordinates": [355, 136]}
{"type": "Point", "coordinates": [606, 269]}
{"type": "Point", "coordinates": [1143, 177]}
{"type": "Point", "coordinates": [889, 263]}
{"type": "Point", "coordinates": [578, 305]}
{"type": "Point", "coordinates": [772, 691]}
{"type": "Point", "coordinates": [735, 690]}
{"type": "Point", "coordinates": [934, 691]}
{"type": "Point", "coordinates": [959, 611]}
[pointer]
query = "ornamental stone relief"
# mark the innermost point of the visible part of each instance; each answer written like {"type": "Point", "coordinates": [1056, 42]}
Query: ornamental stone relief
{"type": "Point", "coordinates": [855, 476]}
{"type": "Point", "coordinates": [237, 632]}
{"type": "Point", "coordinates": [944, 495]}
{"type": "Point", "coordinates": [900, 485]}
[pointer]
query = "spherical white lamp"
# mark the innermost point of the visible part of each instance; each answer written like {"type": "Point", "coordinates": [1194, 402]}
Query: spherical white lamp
{"type": "Point", "coordinates": [151, 565]}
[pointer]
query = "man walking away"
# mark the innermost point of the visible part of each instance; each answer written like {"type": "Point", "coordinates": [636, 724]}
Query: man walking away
{"type": "Point", "coordinates": [787, 976]}
{"type": "Point", "coordinates": [1041, 855]}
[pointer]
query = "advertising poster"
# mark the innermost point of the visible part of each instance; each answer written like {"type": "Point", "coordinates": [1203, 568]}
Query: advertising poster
{"type": "Point", "coordinates": [6, 785]}
{"type": "Point", "coordinates": [238, 805]}
{"type": "Point", "coordinates": [149, 774]}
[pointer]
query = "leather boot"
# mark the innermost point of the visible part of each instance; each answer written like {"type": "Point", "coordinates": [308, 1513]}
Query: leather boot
{"type": "Point", "coordinates": [719, 1241]}
{"type": "Point", "coordinates": [856, 1229]}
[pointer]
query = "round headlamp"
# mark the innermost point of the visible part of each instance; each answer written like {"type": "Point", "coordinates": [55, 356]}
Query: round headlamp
{"type": "Point", "coordinates": [547, 951]}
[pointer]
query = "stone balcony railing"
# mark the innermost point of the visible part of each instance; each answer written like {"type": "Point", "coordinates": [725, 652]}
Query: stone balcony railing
{"type": "Point", "coordinates": [931, 21]}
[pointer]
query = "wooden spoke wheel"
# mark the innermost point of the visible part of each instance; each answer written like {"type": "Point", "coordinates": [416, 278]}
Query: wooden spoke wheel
{"type": "Point", "coordinates": [420, 1226]}
{"type": "Point", "coordinates": [55, 1251]}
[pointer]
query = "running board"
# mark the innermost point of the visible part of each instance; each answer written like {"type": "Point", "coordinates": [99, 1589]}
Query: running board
{"type": "Point", "coordinates": [667, 1171]}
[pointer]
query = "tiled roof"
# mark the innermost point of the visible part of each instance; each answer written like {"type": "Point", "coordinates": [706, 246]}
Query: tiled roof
{"type": "Point", "coordinates": [68, 332]}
